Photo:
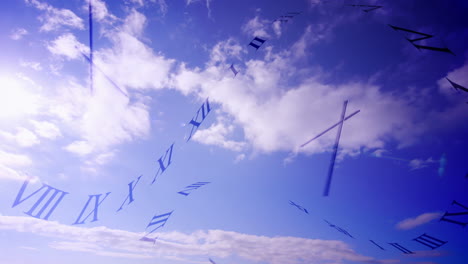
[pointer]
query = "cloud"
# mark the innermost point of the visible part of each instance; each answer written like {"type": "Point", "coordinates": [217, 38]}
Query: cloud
{"type": "Point", "coordinates": [29, 248]}
{"type": "Point", "coordinates": [10, 163]}
{"type": "Point", "coordinates": [139, 2]}
{"type": "Point", "coordinates": [224, 51]}
{"type": "Point", "coordinates": [100, 11]}
{"type": "Point", "coordinates": [23, 137]}
{"type": "Point", "coordinates": [216, 135]}
{"type": "Point", "coordinates": [277, 28]}
{"type": "Point", "coordinates": [18, 33]}
{"type": "Point", "coordinates": [32, 64]}
{"type": "Point", "coordinates": [257, 27]}
{"type": "Point", "coordinates": [207, 3]}
{"type": "Point", "coordinates": [107, 116]}
{"type": "Point", "coordinates": [131, 63]}
{"type": "Point", "coordinates": [214, 243]}
{"type": "Point", "coordinates": [274, 96]}
{"type": "Point", "coordinates": [46, 129]}
{"type": "Point", "coordinates": [271, 111]}
{"type": "Point", "coordinates": [457, 76]}
{"type": "Point", "coordinates": [239, 158]}
{"type": "Point", "coordinates": [134, 23]}
{"type": "Point", "coordinates": [14, 160]}
{"type": "Point", "coordinates": [55, 19]}
{"type": "Point", "coordinates": [419, 220]}
{"type": "Point", "coordinates": [7, 173]}
{"type": "Point", "coordinates": [92, 164]}
{"type": "Point", "coordinates": [162, 6]}
{"type": "Point", "coordinates": [419, 163]}
{"type": "Point", "coordinates": [19, 99]}
{"type": "Point", "coordinates": [81, 148]}
{"type": "Point", "coordinates": [67, 45]}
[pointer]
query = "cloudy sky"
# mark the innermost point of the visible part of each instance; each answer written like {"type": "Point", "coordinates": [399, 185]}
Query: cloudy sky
{"type": "Point", "coordinates": [152, 132]}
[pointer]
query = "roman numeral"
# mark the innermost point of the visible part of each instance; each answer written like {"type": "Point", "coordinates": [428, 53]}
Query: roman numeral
{"type": "Point", "coordinates": [284, 19]}
{"type": "Point", "coordinates": [104, 74]}
{"type": "Point", "coordinates": [258, 44]}
{"type": "Point", "coordinates": [339, 229]}
{"type": "Point", "coordinates": [455, 214]}
{"type": "Point", "coordinates": [55, 194]}
{"type": "Point", "coordinates": [330, 128]}
{"type": "Point", "coordinates": [191, 187]}
{"type": "Point", "coordinates": [147, 239]}
{"type": "Point", "coordinates": [372, 7]}
{"type": "Point", "coordinates": [90, 8]}
{"type": "Point", "coordinates": [233, 70]}
{"type": "Point", "coordinates": [401, 248]}
{"type": "Point", "coordinates": [424, 36]}
{"type": "Point", "coordinates": [131, 187]}
{"type": "Point", "coordinates": [205, 110]}
{"type": "Point", "coordinates": [377, 245]}
{"type": "Point", "coordinates": [298, 207]}
{"type": "Point", "coordinates": [429, 241]}
{"type": "Point", "coordinates": [280, 20]}
{"type": "Point", "coordinates": [162, 167]}
{"type": "Point", "coordinates": [456, 86]}
{"type": "Point", "coordinates": [157, 219]}
{"type": "Point", "coordinates": [97, 202]}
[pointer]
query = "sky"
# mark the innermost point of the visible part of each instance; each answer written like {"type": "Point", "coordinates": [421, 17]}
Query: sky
{"type": "Point", "coordinates": [157, 131]}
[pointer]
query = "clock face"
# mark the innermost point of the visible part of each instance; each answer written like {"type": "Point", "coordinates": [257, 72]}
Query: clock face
{"type": "Point", "coordinates": [233, 131]}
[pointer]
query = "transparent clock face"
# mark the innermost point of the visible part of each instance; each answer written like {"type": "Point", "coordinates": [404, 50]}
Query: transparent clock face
{"type": "Point", "coordinates": [209, 131]}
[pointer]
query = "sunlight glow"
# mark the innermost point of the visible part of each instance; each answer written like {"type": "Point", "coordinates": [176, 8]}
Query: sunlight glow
{"type": "Point", "coordinates": [16, 100]}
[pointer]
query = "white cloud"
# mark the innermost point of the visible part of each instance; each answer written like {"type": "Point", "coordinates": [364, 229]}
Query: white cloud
{"type": "Point", "coordinates": [29, 248]}
{"type": "Point", "coordinates": [93, 164]}
{"type": "Point", "coordinates": [224, 51]}
{"type": "Point", "coordinates": [214, 243]}
{"type": "Point", "coordinates": [419, 220]}
{"type": "Point", "coordinates": [134, 23]}
{"type": "Point", "coordinates": [100, 11]}
{"type": "Point", "coordinates": [271, 112]}
{"type": "Point", "coordinates": [19, 99]}
{"type": "Point", "coordinates": [81, 148]}
{"type": "Point", "coordinates": [104, 158]}
{"type": "Point", "coordinates": [32, 64]}
{"type": "Point", "coordinates": [277, 28]}
{"type": "Point", "coordinates": [239, 158]}
{"type": "Point", "coordinates": [279, 106]}
{"type": "Point", "coordinates": [458, 76]}
{"type": "Point", "coordinates": [216, 135]}
{"type": "Point", "coordinates": [139, 2]}
{"type": "Point", "coordinates": [54, 18]}
{"type": "Point", "coordinates": [7, 173]}
{"type": "Point", "coordinates": [11, 163]}
{"type": "Point", "coordinates": [18, 33]}
{"type": "Point", "coordinates": [161, 3]}
{"type": "Point", "coordinates": [131, 63]}
{"type": "Point", "coordinates": [46, 129]}
{"type": "Point", "coordinates": [420, 163]}
{"type": "Point", "coordinates": [67, 45]}
{"type": "Point", "coordinates": [103, 120]}
{"type": "Point", "coordinates": [207, 3]}
{"type": "Point", "coordinates": [14, 160]}
{"type": "Point", "coordinates": [162, 6]}
{"type": "Point", "coordinates": [107, 117]}
{"type": "Point", "coordinates": [256, 27]}
{"type": "Point", "coordinates": [23, 137]}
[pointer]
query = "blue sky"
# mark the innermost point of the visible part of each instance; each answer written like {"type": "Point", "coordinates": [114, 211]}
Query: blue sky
{"type": "Point", "coordinates": [401, 160]}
